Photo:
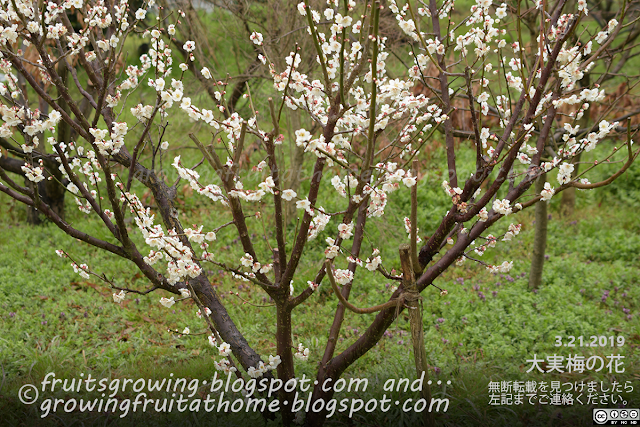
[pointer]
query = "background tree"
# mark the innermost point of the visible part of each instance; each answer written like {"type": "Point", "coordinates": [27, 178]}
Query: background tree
{"type": "Point", "coordinates": [620, 105]}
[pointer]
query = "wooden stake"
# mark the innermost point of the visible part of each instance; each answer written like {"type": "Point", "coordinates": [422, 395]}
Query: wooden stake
{"type": "Point", "coordinates": [412, 298]}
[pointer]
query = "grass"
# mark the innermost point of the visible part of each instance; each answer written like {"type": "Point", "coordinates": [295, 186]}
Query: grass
{"type": "Point", "coordinates": [485, 329]}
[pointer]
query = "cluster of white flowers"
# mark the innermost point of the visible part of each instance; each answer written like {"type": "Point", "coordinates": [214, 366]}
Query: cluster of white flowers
{"type": "Point", "coordinates": [256, 38]}
{"type": "Point", "coordinates": [407, 26]}
{"type": "Point", "coordinates": [452, 192]}
{"type": "Point", "coordinates": [345, 231]}
{"type": "Point", "coordinates": [570, 72]}
{"type": "Point", "coordinates": [302, 353]}
{"type": "Point", "coordinates": [592, 139]}
{"type": "Point", "coordinates": [246, 260]}
{"type": "Point", "coordinates": [378, 203]}
{"type": "Point", "coordinates": [407, 228]}
{"type": "Point", "coordinates": [604, 34]}
{"type": "Point", "coordinates": [483, 215]}
{"type": "Point", "coordinates": [180, 262]}
{"type": "Point", "coordinates": [332, 250]}
{"type": "Point", "coordinates": [33, 174]}
{"type": "Point", "coordinates": [343, 276]}
{"type": "Point", "coordinates": [502, 206]}
{"type": "Point", "coordinates": [211, 191]}
{"type": "Point", "coordinates": [262, 368]}
{"type": "Point", "coordinates": [207, 312]}
{"type": "Point", "coordinates": [312, 94]}
{"type": "Point", "coordinates": [564, 173]}
{"type": "Point", "coordinates": [505, 267]}
{"type": "Point", "coordinates": [480, 250]}
{"type": "Point", "coordinates": [116, 141]}
{"type": "Point", "coordinates": [318, 223]}
{"type": "Point", "coordinates": [212, 340]}
{"type": "Point", "coordinates": [514, 230]}
{"type": "Point", "coordinates": [225, 366]}
{"type": "Point", "coordinates": [82, 270]}
{"type": "Point", "coordinates": [224, 350]}
{"type": "Point", "coordinates": [374, 261]}
{"type": "Point", "coordinates": [390, 178]}
{"type": "Point", "coordinates": [167, 302]}
{"type": "Point", "coordinates": [17, 115]}
{"type": "Point", "coordinates": [547, 192]}
{"type": "Point", "coordinates": [119, 297]}
{"type": "Point", "coordinates": [197, 236]}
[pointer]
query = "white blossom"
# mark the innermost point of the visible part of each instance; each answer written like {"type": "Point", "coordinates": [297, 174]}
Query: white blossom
{"type": "Point", "coordinates": [547, 192]}
{"type": "Point", "coordinates": [302, 353]}
{"type": "Point", "coordinates": [224, 349]}
{"type": "Point", "coordinates": [288, 195]}
{"type": "Point", "coordinates": [502, 206]}
{"type": "Point", "coordinates": [167, 302]}
{"type": "Point", "coordinates": [119, 297]}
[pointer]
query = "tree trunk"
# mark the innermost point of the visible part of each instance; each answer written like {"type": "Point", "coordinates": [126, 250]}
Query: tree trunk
{"type": "Point", "coordinates": [285, 368]}
{"type": "Point", "coordinates": [540, 238]}
{"type": "Point", "coordinates": [568, 202]}
{"type": "Point", "coordinates": [52, 194]}
{"type": "Point", "coordinates": [52, 191]}
{"type": "Point", "coordinates": [33, 217]}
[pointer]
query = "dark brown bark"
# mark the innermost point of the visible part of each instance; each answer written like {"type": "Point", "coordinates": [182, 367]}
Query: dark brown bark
{"type": "Point", "coordinates": [285, 368]}
{"type": "Point", "coordinates": [11, 165]}
{"type": "Point", "coordinates": [52, 191]}
{"type": "Point", "coordinates": [52, 194]}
